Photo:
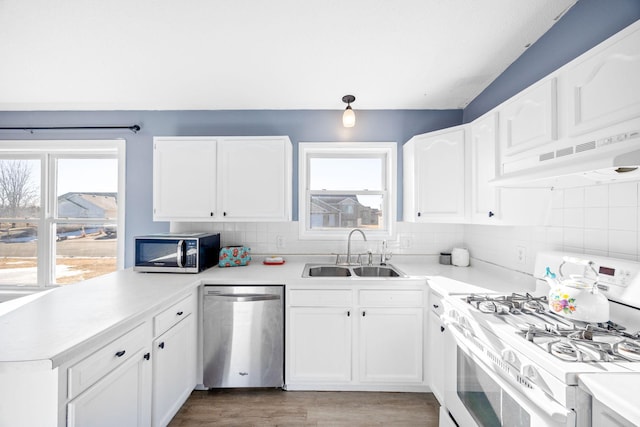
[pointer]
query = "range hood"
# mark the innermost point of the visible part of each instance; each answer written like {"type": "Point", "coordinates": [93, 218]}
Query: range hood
{"type": "Point", "coordinates": [594, 162]}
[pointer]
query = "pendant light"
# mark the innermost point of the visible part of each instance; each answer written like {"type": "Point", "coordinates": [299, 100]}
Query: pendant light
{"type": "Point", "coordinates": [348, 117]}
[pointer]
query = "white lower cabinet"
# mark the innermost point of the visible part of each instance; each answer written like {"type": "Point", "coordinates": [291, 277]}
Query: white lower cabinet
{"type": "Point", "coordinates": [141, 378]}
{"type": "Point", "coordinates": [391, 345]}
{"type": "Point", "coordinates": [174, 370]}
{"type": "Point", "coordinates": [320, 344]}
{"type": "Point", "coordinates": [122, 398]}
{"type": "Point", "coordinates": [436, 347]}
{"type": "Point", "coordinates": [355, 338]}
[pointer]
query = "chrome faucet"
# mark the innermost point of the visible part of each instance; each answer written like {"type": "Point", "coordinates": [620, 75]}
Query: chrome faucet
{"type": "Point", "coordinates": [349, 243]}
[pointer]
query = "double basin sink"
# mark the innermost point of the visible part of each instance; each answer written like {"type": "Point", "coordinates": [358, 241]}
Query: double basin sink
{"type": "Point", "coordinates": [337, 270]}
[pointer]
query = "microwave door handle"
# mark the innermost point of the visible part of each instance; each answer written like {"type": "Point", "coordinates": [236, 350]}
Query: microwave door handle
{"type": "Point", "coordinates": [180, 253]}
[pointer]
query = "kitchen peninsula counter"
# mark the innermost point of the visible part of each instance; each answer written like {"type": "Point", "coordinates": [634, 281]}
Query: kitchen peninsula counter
{"type": "Point", "coordinates": [56, 326]}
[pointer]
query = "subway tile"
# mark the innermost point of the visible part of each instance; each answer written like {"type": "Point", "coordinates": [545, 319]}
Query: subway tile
{"type": "Point", "coordinates": [623, 218]}
{"type": "Point", "coordinates": [596, 196]}
{"type": "Point", "coordinates": [624, 242]}
{"type": "Point", "coordinates": [597, 240]}
{"type": "Point", "coordinates": [623, 194]}
{"type": "Point", "coordinates": [573, 217]}
{"type": "Point", "coordinates": [595, 217]}
{"type": "Point", "coordinates": [557, 199]}
{"type": "Point", "coordinates": [574, 197]}
{"type": "Point", "coordinates": [573, 237]}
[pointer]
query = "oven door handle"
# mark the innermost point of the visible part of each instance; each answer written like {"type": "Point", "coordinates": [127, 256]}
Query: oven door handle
{"type": "Point", "coordinates": [537, 399]}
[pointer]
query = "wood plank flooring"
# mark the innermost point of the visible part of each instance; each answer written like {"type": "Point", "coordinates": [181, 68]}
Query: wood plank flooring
{"type": "Point", "coordinates": [272, 407]}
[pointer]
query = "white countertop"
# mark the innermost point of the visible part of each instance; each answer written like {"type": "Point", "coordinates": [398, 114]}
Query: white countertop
{"type": "Point", "coordinates": [619, 392]}
{"type": "Point", "coordinates": [50, 329]}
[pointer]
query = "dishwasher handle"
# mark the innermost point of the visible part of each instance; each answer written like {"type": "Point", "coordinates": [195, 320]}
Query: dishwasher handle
{"type": "Point", "coordinates": [243, 297]}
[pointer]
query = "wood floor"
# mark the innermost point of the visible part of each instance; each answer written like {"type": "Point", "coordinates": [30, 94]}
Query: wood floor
{"type": "Point", "coordinates": [271, 407]}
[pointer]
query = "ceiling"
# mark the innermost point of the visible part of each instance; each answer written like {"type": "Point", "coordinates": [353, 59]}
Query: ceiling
{"type": "Point", "coordinates": [253, 54]}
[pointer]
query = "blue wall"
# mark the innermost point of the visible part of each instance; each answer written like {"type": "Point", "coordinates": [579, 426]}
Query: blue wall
{"type": "Point", "coordinates": [585, 25]}
{"type": "Point", "coordinates": [300, 125]}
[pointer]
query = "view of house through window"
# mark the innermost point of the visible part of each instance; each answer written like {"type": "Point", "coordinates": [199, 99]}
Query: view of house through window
{"type": "Point", "coordinates": [346, 186]}
{"type": "Point", "coordinates": [58, 216]}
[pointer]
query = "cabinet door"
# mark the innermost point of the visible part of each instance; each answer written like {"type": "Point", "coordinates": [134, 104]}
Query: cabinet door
{"type": "Point", "coordinates": [320, 344]}
{"type": "Point", "coordinates": [122, 398]}
{"type": "Point", "coordinates": [603, 88]}
{"type": "Point", "coordinates": [184, 179]}
{"type": "Point", "coordinates": [391, 345]}
{"type": "Point", "coordinates": [436, 356]}
{"type": "Point", "coordinates": [174, 370]}
{"type": "Point", "coordinates": [439, 175]}
{"type": "Point", "coordinates": [529, 120]}
{"type": "Point", "coordinates": [484, 197]}
{"type": "Point", "coordinates": [254, 178]}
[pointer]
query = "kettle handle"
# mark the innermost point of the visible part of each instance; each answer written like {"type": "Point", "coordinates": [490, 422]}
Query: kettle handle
{"type": "Point", "coordinates": [579, 261]}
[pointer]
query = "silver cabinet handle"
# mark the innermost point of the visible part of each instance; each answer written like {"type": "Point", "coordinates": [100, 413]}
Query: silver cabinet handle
{"type": "Point", "coordinates": [244, 297]}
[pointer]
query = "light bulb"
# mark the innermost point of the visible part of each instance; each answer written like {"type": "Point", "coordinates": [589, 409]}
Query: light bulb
{"type": "Point", "coordinates": [348, 118]}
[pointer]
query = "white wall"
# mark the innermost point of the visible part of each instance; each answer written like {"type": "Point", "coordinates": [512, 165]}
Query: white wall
{"type": "Point", "coordinates": [601, 220]}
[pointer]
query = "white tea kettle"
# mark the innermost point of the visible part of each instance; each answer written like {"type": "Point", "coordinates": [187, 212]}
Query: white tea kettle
{"type": "Point", "coordinates": [578, 297]}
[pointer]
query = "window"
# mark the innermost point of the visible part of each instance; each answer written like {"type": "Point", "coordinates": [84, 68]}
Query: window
{"type": "Point", "coordinates": [345, 186]}
{"type": "Point", "coordinates": [61, 211]}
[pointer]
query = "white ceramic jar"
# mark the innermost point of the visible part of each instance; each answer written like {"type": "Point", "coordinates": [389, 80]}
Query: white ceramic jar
{"type": "Point", "coordinates": [460, 257]}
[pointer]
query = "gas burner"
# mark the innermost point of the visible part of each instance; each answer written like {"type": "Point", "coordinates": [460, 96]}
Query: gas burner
{"type": "Point", "coordinates": [505, 304]}
{"type": "Point", "coordinates": [591, 343]}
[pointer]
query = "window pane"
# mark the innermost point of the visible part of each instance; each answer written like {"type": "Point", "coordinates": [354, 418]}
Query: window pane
{"type": "Point", "coordinates": [18, 253]}
{"type": "Point", "coordinates": [84, 251]}
{"type": "Point", "coordinates": [345, 173]}
{"type": "Point", "coordinates": [346, 211]}
{"type": "Point", "coordinates": [87, 188]}
{"type": "Point", "coordinates": [19, 188]}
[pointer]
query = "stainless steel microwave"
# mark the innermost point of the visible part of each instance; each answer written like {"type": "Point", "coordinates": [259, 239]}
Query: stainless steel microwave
{"type": "Point", "coordinates": [176, 253]}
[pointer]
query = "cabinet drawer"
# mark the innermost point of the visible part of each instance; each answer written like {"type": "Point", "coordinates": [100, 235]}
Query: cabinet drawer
{"type": "Point", "coordinates": [388, 298]}
{"type": "Point", "coordinates": [86, 372]}
{"type": "Point", "coordinates": [172, 315]}
{"type": "Point", "coordinates": [435, 303]}
{"type": "Point", "coordinates": [321, 298]}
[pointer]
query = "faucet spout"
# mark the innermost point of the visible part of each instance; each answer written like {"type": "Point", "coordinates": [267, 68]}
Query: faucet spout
{"type": "Point", "coordinates": [349, 242]}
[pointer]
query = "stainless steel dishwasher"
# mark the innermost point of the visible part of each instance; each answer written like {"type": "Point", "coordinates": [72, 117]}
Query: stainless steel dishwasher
{"type": "Point", "coordinates": [243, 336]}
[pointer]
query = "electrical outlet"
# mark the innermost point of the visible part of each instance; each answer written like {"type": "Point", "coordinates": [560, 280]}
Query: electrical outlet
{"type": "Point", "coordinates": [405, 242]}
{"type": "Point", "coordinates": [521, 254]}
{"type": "Point", "coordinates": [281, 242]}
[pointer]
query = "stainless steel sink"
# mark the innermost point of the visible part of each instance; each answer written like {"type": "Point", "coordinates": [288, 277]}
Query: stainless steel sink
{"type": "Point", "coordinates": [333, 270]}
{"type": "Point", "coordinates": [376, 271]}
{"type": "Point", "coordinates": [326, 271]}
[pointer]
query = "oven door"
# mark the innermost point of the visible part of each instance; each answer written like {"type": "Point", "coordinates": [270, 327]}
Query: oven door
{"type": "Point", "coordinates": [477, 393]}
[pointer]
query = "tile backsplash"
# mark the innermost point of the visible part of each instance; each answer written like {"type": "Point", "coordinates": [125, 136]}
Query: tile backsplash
{"type": "Point", "coordinates": [271, 238]}
{"type": "Point", "coordinates": [600, 220]}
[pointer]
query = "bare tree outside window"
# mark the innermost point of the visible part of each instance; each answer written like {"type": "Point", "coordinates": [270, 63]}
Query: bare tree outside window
{"type": "Point", "coordinates": [19, 195]}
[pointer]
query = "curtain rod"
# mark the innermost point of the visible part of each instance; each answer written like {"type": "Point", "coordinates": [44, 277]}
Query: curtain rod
{"type": "Point", "coordinates": [132, 128]}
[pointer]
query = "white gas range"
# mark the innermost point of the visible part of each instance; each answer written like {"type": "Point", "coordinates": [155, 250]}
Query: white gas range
{"type": "Point", "coordinates": [517, 362]}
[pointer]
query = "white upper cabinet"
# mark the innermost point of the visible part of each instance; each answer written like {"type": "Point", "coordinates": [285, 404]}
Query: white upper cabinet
{"type": "Point", "coordinates": [434, 176]}
{"type": "Point", "coordinates": [484, 197]}
{"type": "Point", "coordinates": [222, 178]}
{"type": "Point", "coordinates": [602, 87]}
{"type": "Point", "coordinates": [255, 178]}
{"type": "Point", "coordinates": [529, 119]}
{"type": "Point", "coordinates": [184, 178]}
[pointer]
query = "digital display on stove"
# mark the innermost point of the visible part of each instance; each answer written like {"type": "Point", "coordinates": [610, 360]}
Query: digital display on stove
{"type": "Point", "coordinates": [607, 270]}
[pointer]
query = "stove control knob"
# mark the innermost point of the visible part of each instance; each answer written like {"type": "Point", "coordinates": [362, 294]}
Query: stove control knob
{"type": "Point", "coordinates": [530, 372]}
{"type": "Point", "coordinates": [509, 356]}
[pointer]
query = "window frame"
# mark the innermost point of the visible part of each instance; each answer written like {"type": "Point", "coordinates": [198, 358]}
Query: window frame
{"type": "Point", "coordinates": [385, 150]}
{"type": "Point", "coordinates": [49, 152]}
